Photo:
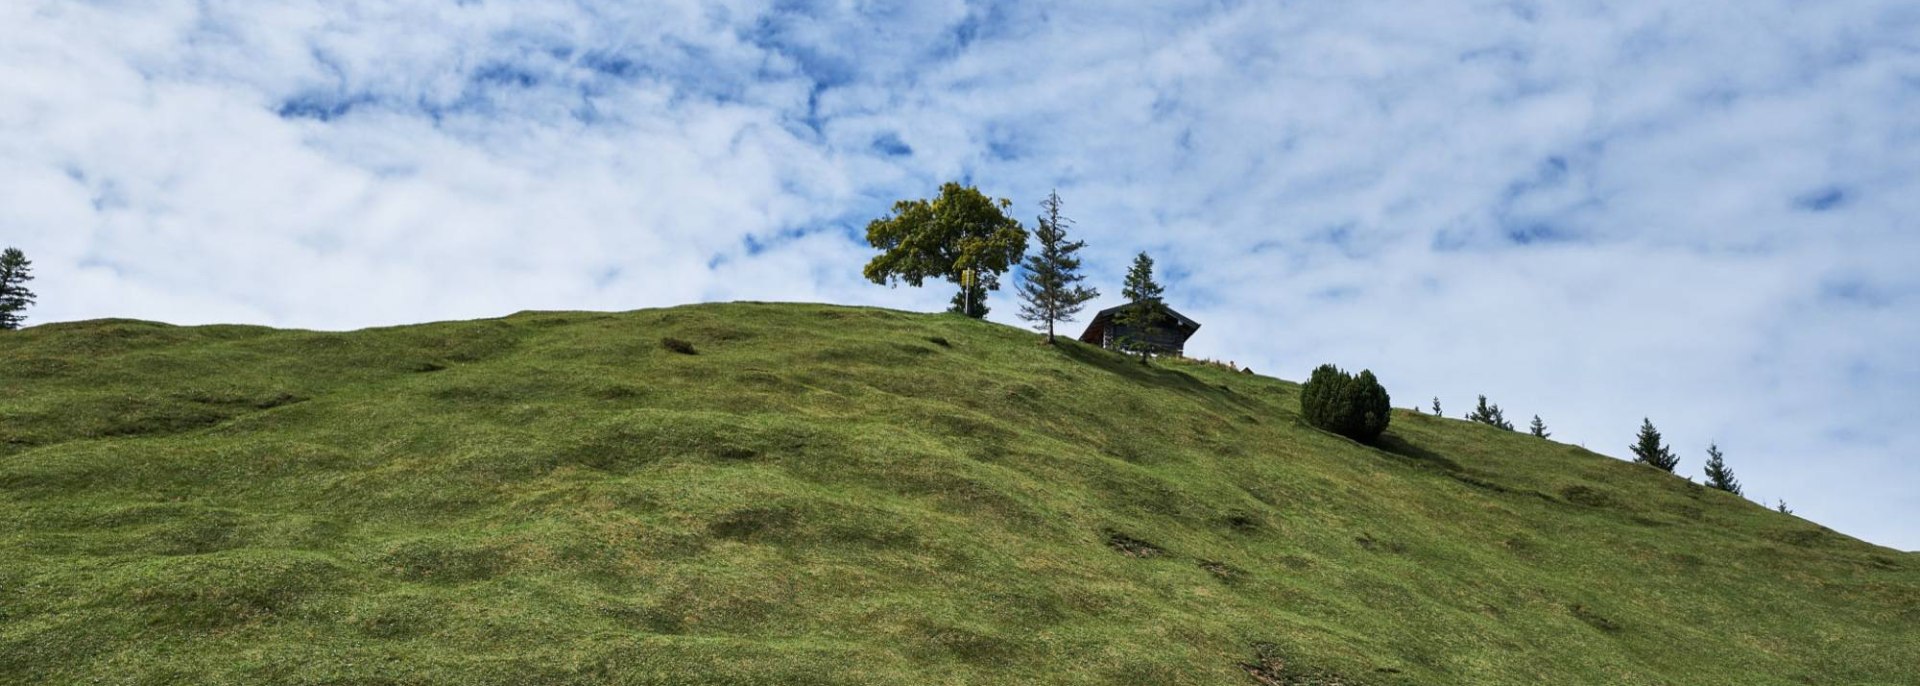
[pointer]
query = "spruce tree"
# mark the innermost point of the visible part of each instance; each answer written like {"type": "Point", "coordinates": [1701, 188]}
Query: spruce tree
{"type": "Point", "coordinates": [1782, 507]}
{"type": "Point", "coordinates": [15, 272]}
{"type": "Point", "coordinates": [1436, 407]}
{"type": "Point", "coordinates": [1538, 428]}
{"type": "Point", "coordinates": [1719, 475]}
{"type": "Point", "coordinates": [1489, 415]}
{"type": "Point", "coordinates": [1647, 450]}
{"type": "Point", "coordinates": [1144, 309]}
{"type": "Point", "coordinates": [1050, 289]}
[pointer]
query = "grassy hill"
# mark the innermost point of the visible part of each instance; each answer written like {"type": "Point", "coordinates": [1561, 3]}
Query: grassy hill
{"type": "Point", "coordinates": [831, 495]}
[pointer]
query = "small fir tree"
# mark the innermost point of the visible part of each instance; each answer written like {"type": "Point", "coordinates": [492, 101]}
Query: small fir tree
{"type": "Point", "coordinates": [1538, 428]}
{"type": "Point", "coordinates": [1144, 309]}
{"type": "Point", "coordinates": [1719, 475]}
{"type": "Point", "coordinates": [1489, 415]}
{"type": "Point", "coordinates": [1050, 289]}
{"type": "Point", "coordinates": [15, 271]}
{"type": "Point", "coordinates": [1648, 450]}
{"type": "Point", "coordinates": [1436, 407]}
{"type": "Point", "coordinates": [1782, 507]}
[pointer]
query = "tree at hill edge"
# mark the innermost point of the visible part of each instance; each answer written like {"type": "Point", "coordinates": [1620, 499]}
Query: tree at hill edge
{"type": "Point", "coordinates": [1647, 449]}
{"type": "Point", "coordinates": [1049, 288]}
{"type": "Point", "coordinates": [1144, 309]}
{"type": "Point", "coordinates": [1719, 475]}
{"type": "Point", "coordinates": [15, 271]}
{"type": "Point", "coordinates": [1489, 415]}
{"type": "Point", "coordinates": [959, 230]}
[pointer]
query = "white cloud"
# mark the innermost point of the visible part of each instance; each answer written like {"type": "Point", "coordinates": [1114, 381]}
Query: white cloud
{"type": "Point", "coordinates": [1698, 212]}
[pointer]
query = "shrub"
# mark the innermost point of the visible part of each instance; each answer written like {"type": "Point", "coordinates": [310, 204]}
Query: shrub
{"type": "Point", "coordinates": [1353, 406]}
{"type": "Point", "coordinates": [677, 345]}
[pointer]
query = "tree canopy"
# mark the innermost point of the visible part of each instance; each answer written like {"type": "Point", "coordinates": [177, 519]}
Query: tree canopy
{"type": "Point", "coordinates": [961, 229]}
{"type": "Point", "coordinates": [1353, 406]}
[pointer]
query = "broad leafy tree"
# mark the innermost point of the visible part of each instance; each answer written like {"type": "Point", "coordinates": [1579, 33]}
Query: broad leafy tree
{"type": "Point", "coordinates": [1719, 475]}
{"type": "Point", "coordinates": [15, 272]}
{"type": "Point", "coordinates": [1050, 289]}
{"type": "Point", "coordinates": [1648, 450]}
{"type": "Point", "coordinates": [1144, 309]}
{"type": "Point", "coordinates": [959, 230]}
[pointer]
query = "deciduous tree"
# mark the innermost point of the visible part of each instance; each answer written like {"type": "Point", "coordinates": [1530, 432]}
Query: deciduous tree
{"type": "Point", "coordinates": [961, 229]}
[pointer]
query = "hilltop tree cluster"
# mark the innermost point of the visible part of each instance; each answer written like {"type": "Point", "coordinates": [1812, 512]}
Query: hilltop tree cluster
{"type": "Point", "coordinates": [966, 238]}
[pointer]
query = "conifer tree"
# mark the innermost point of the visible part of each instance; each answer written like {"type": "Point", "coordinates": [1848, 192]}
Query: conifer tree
{"type": "Point", "coordinates": [1144, 309]}
{"type": "Point", "coordinates": [15, 272]}
{"type": "Point", "coordinates": [1647, 449]}
{"type": "Point", "coordinates": [1489, 415]}
{"type": "Point", "coordinates": [1782, 507]}
{"type": "Point", "coordinates": [1538, 428]}
{"type": "Point", "coordinates": [1436, 407]}
{"type": "Point", "coordinates": [1050, 289]}
{"type": "Point", "coordinates": [1357, 407]}
{"type": "Point", "coordinates": [1719, 475]}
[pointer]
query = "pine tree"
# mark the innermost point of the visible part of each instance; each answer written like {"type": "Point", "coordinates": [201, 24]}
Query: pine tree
{"type": "Point", "coordinates": [1647, 450]}
{"type": "Point", "coordinates": [1782, 507]}
{"type": "Point", "coordinates": [1436, 407]}
{"type": "Point", "coordinates": [15, 272]}
{"type": "Point", "coordinates": [1144, 309]}
{"type": "Point", "coordinates": [1050, 289]}
{"type": "Point", "coordinates": [1719, 475]}
{"type": "Point", "coordinates": [1538, 428]}
{"type": "Point", "coordinates": [1489, 415]}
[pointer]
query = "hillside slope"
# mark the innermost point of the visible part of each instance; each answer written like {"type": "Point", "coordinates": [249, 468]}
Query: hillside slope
{"type": "Point", "coordinates": [831, 495]}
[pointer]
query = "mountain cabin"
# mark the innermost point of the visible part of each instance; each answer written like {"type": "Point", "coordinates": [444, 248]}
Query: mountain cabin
{"type": "Point", "coordinates": [1167, 337]}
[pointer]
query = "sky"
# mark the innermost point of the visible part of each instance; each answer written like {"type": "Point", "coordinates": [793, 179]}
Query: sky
{"type": "Point", "coordinates": [1700, 212]}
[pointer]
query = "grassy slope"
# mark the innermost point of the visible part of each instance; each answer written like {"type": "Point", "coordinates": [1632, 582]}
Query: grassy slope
{"type": "Point", "coordinates": [824, 495]}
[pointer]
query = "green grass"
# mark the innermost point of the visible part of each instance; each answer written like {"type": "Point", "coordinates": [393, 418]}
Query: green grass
{"type": "Point", "coordinates": [832, 495]}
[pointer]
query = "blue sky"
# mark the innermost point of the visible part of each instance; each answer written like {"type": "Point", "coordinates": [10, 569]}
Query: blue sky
{"type": "Point", "coordinates": [1698, 212]}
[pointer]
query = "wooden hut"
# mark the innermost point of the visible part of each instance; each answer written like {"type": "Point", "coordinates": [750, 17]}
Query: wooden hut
{"type": "Point", "coordinates": [1166, 337]}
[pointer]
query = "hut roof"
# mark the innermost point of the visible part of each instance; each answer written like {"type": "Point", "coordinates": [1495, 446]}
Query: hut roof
{"type": "Point", "coordinates": [1103, 319]}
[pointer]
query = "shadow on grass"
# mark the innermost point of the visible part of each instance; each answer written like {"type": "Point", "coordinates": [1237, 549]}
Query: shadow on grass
{"type": "Point", "coordinates": [1149, 374]}
{"type": "Point", "coordinates": [1415, 455]}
